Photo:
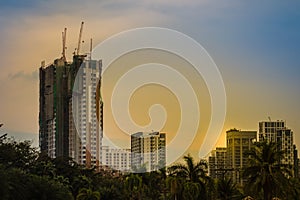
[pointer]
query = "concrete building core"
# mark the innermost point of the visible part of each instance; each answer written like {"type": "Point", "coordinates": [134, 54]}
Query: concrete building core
{"type": "Point", "coordinates": [63, 133]}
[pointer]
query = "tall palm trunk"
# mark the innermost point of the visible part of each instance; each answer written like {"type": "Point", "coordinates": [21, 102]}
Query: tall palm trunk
{"type": "Point", "coordinates": [267, 191]}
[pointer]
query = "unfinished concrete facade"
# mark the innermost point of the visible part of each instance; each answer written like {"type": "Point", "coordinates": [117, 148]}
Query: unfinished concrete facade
{"type": "Point", "coordinates": [59, 136]}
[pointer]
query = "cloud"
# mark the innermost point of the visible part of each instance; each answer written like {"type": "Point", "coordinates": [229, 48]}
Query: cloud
{"type": "Point", "coordinates": [26, 76]}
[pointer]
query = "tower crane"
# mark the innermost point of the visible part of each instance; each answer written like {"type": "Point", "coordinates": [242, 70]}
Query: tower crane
{"type": "Point", "coordinates": [64, 37]}
{"type": "Point", "coordinates": [79, 39]}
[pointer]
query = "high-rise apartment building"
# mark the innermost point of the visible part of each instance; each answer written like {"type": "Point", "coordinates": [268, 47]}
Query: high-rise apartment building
{"type": "Point", "coordinates": [87, 114]}
{"type": "Point", "coordinates": [276, 131]}
{"type": "Point", "coordinates": [238, 143]}
{"type": "Point", "coordinates": [59, 133]}
{"type": "Point", "coordinates": [148, 149]}
{"type": "Point", "coordinates": [55, 95]}
{"type": "Point", "coordinates": [268, 130]}
{"type": "Point", "coordinates": [217, 163]}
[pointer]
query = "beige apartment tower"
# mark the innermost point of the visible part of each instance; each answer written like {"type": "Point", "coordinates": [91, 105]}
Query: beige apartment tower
{"type": "Point", "coordinates": [238, 143]}
{"type": "Point", "coordinates": [148, 150]}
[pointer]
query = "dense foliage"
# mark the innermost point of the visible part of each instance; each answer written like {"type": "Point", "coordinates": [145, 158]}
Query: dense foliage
{"type": "Point", "coordinates": [27, 174]}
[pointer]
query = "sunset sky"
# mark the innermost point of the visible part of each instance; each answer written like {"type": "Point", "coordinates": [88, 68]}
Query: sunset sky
{"type": "Point", "coordinates": [255, 44]}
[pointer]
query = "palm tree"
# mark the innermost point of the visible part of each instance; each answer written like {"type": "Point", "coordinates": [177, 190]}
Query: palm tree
{"type": "Point", "coordinates": [227, 190]}
{"type": "Point", "coordinates": [163, 177]}
{"type": "Point", "coordinates": [265, 173]}
{"type": "Point", "coordinates": [88, 194]}
{"type": "Point", "coordinates": [293, 193]}
{"type": "Point", "coordinates": [192, 191]}
{"type": "Point", "coordinates": [154, 185]}
{"type": "Point", "coordinates": [175, 185]}
{"type": "Point", "coordinates": [192, 172]}
{"type": "Point", "coordinates": [134, 185]}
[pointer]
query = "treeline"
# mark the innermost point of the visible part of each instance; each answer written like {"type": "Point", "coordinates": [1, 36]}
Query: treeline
{"type": "Point", "coordinates": [27, 174]}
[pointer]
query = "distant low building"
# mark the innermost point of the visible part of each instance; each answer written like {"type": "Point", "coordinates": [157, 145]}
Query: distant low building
{"type": "Point", "coordinates": [217, 163]}
{"type": "Point", "coordinates": [117, 159]}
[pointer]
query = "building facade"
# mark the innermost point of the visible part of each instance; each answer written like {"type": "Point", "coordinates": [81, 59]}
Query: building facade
{"type": "Point", "coordinates": [268, 130]}
{"type": "Point", "coordinates": [148, 150]}
{"type": "Point", "coordinates": [60, 134]}
{"type": "Point", "coordinates": [87, 111]}
{"type": "Point", "coordinates": [217, 163]}
{"type": "Point", "coordinates": [117, 159]}
{"type": "Point", "coordinates": [276, 131]}
{"type": "Point", "coordinates": [238, 143]}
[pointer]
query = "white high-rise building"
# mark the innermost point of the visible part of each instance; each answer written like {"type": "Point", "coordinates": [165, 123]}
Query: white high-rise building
{"type": "Point", "coordinates": [148, 149]}
{"type": "Point", "coordinates": [87, 130]}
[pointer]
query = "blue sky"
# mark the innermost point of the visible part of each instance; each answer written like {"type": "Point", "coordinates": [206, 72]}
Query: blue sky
{"type": "Point", "coordinates": [256, 45]}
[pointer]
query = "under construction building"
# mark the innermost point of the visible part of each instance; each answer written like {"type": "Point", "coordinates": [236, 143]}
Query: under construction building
{"type": "Point", "coordinates": [60, 135]}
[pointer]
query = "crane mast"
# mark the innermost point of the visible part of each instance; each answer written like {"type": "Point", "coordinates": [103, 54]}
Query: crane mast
{"type": "Point", "coordinates": [64, 37]}
{"type": "Point", "coordinates": [79, 39]}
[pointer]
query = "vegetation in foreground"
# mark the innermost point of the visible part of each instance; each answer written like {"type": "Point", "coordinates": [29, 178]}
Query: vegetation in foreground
{"type": "Point", "coordinates": [27, 174]}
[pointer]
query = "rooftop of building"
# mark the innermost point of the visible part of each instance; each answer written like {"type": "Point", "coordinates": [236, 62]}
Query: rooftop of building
{"type": "Point", "coordinates": [240, 131]}
{"type": "Point", "coordinates": [147, 134]}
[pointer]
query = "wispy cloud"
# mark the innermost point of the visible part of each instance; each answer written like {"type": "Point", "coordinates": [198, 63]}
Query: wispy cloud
{"type": "Point", "coordinates": [23, 75]}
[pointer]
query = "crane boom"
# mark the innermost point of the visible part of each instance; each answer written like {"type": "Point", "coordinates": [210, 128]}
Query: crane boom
{"type": "Point", "coordinates": [79, 38]}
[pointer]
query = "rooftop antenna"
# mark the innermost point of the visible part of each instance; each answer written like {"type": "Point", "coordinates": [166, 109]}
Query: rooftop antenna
{"type": "Point", "coordinates": [269, 118]}
{"type": "Point", "coordinates": [64, 37]}
{"type": "Point", "coordinates": [79, 39]}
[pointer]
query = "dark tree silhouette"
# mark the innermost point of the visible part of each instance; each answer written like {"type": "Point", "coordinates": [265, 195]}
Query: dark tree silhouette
{"type": "Point", "coordinates": [265, 173]}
